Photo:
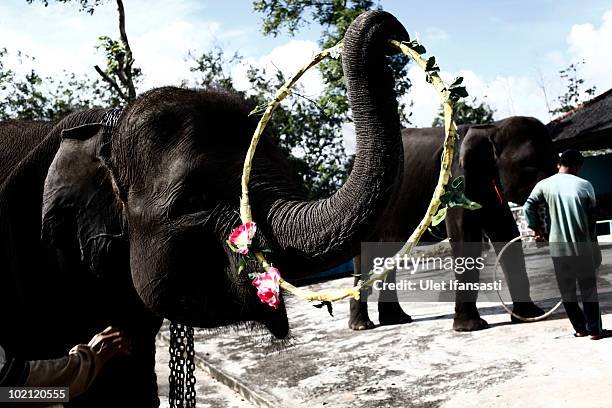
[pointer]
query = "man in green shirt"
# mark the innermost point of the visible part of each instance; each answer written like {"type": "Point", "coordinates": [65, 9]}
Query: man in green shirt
{"type": "Point", "coordinates": [573, 240]}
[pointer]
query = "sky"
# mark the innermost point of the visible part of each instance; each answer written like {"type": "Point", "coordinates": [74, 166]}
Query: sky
{"type": "Point", "coordinates": [509, 51]}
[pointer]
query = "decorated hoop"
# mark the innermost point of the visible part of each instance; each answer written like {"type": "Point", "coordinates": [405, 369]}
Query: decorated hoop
{"type": "Point", "coordinates": [269, 281]}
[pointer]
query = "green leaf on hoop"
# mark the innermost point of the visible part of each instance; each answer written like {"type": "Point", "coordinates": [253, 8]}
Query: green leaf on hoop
{"type": "Point", "coordinates": [259, 109]}
{"type": "Point", "coordinates": [439, 217]}
{"type": "Point", "coordinates": [416, 46]}
{"type": "Point", "coordinates": [242, 263]}
{"type": "Point", "coordinates": [458, 183]}
{"type": "Point", "coordinates": [457, 93]}
{"type": "Point", "coordinates": [330, 308]}
{"type": "Point", "coordinates": [458, 81]}
{"type": "Point", "coordinates": [455, 196]}
{"type": "Point", "coordinates": [431, 65]}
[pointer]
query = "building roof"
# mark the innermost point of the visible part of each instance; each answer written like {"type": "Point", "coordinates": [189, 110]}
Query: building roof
{"type": "Point", "coordinates": [587, 127]}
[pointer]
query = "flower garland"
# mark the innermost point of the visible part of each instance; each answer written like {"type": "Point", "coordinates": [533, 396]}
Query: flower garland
{"type": "Point", "coordinates": [269, 282]}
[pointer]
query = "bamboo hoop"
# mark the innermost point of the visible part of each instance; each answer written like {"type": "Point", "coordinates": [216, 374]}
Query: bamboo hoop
{"type": "Point", "coordinates": [450, 139]}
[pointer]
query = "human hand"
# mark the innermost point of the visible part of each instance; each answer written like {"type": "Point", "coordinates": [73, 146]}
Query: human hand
{"type": "Point", "coordinates": [110, 342]}
{"type": "Point", "coordinates": [539, 235]}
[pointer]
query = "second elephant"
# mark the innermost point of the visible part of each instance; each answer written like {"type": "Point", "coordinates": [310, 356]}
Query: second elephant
{"type": "Point", "coordinates": [501, 162]}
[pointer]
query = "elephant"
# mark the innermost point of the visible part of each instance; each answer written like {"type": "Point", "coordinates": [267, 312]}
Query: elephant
{"type": "Point", "coordinates": [126, 223]}
{"type": "Point", "coordinates": [19, 137]}
{"type": "Point", "coordinates": [501, 162]}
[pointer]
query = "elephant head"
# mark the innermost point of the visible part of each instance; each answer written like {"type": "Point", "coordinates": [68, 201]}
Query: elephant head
{"type": "Point", "coordinates": [165, 185]}
{"type": "Point", "coordinates": [517, 151]}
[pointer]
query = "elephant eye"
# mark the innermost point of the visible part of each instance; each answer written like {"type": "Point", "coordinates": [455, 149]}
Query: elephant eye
{"type": "Point", "coordinates": [188, 204]}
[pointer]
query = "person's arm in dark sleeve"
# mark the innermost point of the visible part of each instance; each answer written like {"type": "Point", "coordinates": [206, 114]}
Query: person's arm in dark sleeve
{"type": "Point", "coordinates": [531, 207]}
{"type": "Point", "coordinates": [78, 370]}
{"type": "Point", "coordinates": [13, 371]}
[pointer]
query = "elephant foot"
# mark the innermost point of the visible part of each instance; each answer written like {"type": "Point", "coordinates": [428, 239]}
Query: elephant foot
{"type": "Point", "coordinates": [392, 313]}
{"type": "Point", "coordinates": [469, 323]}
{"type": "Point", "coordinates": [467, 318]}
{"type": "Point", "coordinates": [359, 319]}
{"type": "Point", "coordinates": [525, 309]}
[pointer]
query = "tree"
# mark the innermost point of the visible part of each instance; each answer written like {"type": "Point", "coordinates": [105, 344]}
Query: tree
{"type": "Point", "coordinates": [297, 124]}
{"type": "Point", "coordinates": [31, 96]}
{"type": "Point", "coordinates": [213, 69]}
{"type": "Point", "coordinates": [467, 113]}
{"type": "Point", "coordinates": [574, 95]}
{"type": "Point", "coordinates": [332, 110]}
{"type": "Point", "coordinates": [119, 74]}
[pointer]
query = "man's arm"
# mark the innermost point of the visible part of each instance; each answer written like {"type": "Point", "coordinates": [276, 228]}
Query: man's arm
{"type": "Point", "coordinates": [13, 371]}
{"type": "Point", "coordinates": [77, 370]}
{"type": "Point", "coordinates": [592, 217]}
{"type": "Point", "coordinates": [532, 216]}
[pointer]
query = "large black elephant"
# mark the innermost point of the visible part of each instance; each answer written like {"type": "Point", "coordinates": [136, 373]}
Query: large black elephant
{"type": "Point", "coordinates": [127, 224]}
{"type": "Point", "coordinates": [17, 139]}
{"type": "Point", "coordinates": [501, 162]}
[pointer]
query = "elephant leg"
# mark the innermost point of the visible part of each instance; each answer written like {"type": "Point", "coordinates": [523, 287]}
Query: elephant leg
{"type": "Point", "coordinates": [500, 227]}
{"type": "Point", "coordinates": [359, 318]}
{"type": "Point", "coordinates": [389, 310]}
{"type": "Point", "coordinates": [465, 233]}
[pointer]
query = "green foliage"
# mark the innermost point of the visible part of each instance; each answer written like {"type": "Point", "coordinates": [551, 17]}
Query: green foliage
{"type": "Point", "coordinates": [213, 69]}
{"type": "Point", "coordinates": [574, 95]}
{"type": "Point", "coordinates": [325, 164]}
{"type": "Point", "coordinates": [466, 113]}
{"type": "Point", "coordinates": [31, 96]}
{"type": "Point", "coordinates": [123, 76]}
{"type": "Point", "coordinates": [300, 126]}
{"type": "Point", "coordinates": [294, 14]}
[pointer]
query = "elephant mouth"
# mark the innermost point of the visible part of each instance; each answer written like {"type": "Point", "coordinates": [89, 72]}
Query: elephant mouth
{"type": "Point", "coordinates": [213, 304]}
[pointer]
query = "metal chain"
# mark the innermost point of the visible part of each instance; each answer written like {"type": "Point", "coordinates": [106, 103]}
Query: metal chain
{"type": "Point", "coordinates": [182, 367]}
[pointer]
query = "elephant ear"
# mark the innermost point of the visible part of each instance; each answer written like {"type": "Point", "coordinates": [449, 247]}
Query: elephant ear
{"type": "Point", "coordinates": [81, 212]}
{"type": "Point", "coordinates": [478, 151]}
{"type": "Point", "coordinates": [478, 159]}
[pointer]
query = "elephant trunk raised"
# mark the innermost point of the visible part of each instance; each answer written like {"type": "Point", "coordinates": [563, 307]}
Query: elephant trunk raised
{"type": "Point", "coordinates": [330, 230]}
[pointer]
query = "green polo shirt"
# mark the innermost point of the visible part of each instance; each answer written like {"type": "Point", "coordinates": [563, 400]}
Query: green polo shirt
{"type": "Point", "coordinates": [571, 203]}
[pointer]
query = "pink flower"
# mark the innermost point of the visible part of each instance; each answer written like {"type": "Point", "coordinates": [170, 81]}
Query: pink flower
{"type": "Point", "coordinates": [241, 237]}
{"type": "Point", "coordinates": [267, 284]}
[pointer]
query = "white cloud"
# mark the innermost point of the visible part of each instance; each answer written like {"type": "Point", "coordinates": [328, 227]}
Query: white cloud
{"type": "Point", "coordinates": [61, 37]}
{"type": "Point", "coordinates": [435, 34]}
{"type": "Point", "coordinates": [593, 45]}
{"type": "Point", "coordinates": [288, 58]}
{"type": "Point", "coordinates": [523, 94]}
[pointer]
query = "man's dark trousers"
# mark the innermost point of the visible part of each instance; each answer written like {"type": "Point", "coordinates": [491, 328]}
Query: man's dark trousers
{"type": "Point", "coordinates": [572, 269]}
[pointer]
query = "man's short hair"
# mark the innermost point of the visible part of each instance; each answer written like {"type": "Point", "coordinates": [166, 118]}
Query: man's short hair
{"type": "Point", "coordinates": [571, 158]}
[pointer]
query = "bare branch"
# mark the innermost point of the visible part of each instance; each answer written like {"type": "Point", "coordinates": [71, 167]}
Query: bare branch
{"type": "Point", "coordinates": [125, 73]}
{"type": "Point", "coordinates": [111, 82]}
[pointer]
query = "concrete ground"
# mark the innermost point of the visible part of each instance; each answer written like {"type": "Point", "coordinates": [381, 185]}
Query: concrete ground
{"type": "Point", "coordinates": [422, 364]}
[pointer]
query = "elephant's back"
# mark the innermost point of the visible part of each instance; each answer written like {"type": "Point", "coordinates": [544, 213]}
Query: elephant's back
{"type": "Point", "coordinates": [17, 139]}
{"type": "Point", "coordinates": [422, 150]}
